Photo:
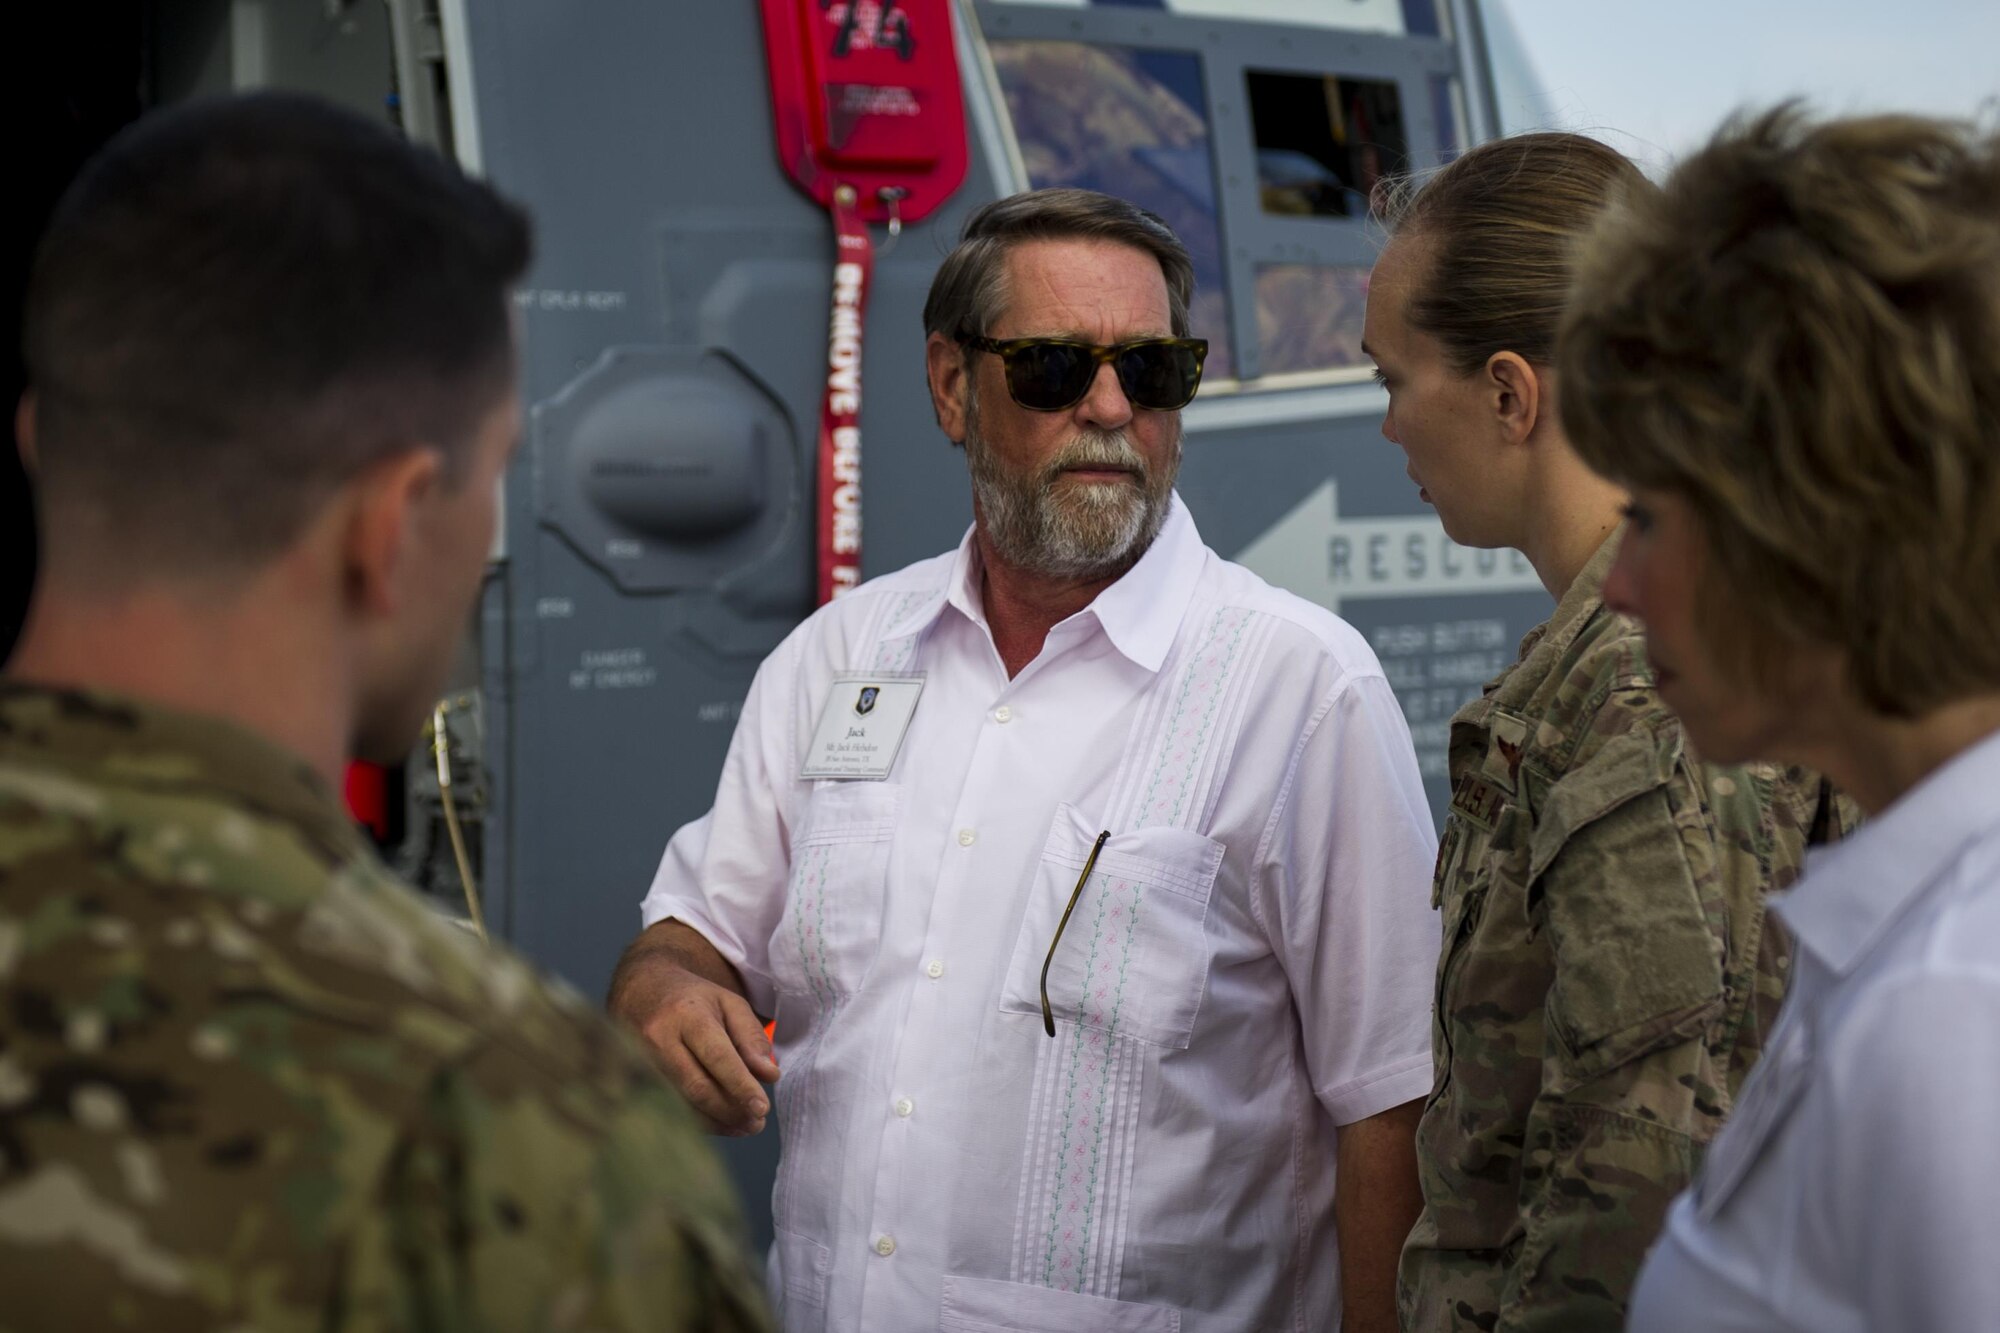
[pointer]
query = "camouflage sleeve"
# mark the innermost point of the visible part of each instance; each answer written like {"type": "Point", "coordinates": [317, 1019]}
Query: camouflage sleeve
{"type": "Point", "coordinates": [1628, 1089]}
{"type": "Point", "coordinates": [511, 1205]}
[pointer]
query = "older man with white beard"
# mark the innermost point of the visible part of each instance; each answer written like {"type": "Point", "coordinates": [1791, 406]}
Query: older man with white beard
{"type": "Point", "coordinates": [1084, 873]}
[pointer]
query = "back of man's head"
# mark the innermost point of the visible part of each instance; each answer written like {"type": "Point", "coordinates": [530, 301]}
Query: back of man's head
{"type": "Point", "coordinates": [239, 305]}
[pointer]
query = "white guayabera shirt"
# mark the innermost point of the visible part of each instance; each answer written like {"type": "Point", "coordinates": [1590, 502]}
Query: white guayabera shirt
{"type": "Point", "coordinates": [1248, 965]}
{"type": "Point", "coordinates": [1855, 1185]}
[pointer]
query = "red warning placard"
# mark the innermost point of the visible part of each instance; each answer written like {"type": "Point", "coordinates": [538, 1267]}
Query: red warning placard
{"type": "Point", "coordinates": [866, 93]}
{"type": "Point", "coordinates": [870, 121]}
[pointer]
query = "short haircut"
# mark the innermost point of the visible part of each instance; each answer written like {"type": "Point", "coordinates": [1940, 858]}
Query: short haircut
{"type": "Point", "coordinates": [239, 305]}
{"type": "Point", "coordinates": [970, 289]}
{"type": "Point", "coordinates": [1800, 337]}
{"type": "Point", "coordinates": [1501, 225]}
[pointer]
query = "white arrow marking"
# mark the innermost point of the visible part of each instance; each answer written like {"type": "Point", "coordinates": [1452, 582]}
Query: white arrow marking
{"type": "Point", "coordinates": [1314, 552]}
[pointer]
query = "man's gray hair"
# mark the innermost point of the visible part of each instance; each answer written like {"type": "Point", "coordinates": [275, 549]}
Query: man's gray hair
{"type": "Point", "coordinates": [970, 289]}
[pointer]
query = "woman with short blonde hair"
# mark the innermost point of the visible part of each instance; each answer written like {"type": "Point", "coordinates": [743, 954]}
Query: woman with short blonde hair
{"type": "Point", "coordinates": [1792, 357]}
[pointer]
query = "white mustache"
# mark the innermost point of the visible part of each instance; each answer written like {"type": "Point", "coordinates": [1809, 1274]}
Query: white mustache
{"type": "Point", "coordinates": [1096, 450]}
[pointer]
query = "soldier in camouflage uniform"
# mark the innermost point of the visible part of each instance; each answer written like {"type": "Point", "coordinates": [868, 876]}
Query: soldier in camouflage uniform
{"type": "Point", "coordinates": [1608, 975]}
{"type": "Point", "coordinates": [1608, 972]}
{"type": "Point", "coordinates": [248, 1081]}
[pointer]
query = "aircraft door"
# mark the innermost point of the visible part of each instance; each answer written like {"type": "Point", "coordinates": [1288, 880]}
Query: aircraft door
{"type": "Point", "coordinates": [1258, 129]}
{"type": "Point", "coordinates": [659, 535]}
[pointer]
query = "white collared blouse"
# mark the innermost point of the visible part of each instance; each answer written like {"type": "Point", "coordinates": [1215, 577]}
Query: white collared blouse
{"type": "Point", "coordinates": [1248, 966]}
{"type": "Point", "coordinates": [1857, 1186]}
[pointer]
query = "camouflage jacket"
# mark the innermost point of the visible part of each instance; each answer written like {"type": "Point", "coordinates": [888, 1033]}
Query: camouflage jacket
{"type": "Point", "coordinates": [1607, 978]}
{"type": "Point", "coordinates": [247, 1081]}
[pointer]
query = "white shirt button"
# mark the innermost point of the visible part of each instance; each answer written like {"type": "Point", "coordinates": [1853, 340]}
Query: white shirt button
{"type": "Point", "coordinates": [885, 1246]}
{"type": "Point", "coordinates": [1003, 714]}
{"type": "Point", "coordinates": [966, 837]}
{"type": "Point", "coordinates": [904, 1106]}
{"type": "Point", "coordinates": [934, 969]}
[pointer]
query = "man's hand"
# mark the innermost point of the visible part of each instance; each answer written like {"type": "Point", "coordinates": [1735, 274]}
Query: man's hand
{"type": "Point", "coordinates": [684, 998]}
{"type": "Point", "coordinates": [1376, 1200]}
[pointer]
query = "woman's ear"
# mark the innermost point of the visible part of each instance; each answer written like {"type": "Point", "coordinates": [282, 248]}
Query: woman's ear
{"type": "Point", "coordinates": [1516, 391]}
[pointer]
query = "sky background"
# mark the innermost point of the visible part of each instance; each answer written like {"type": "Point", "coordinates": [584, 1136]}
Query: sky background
{"type": "Point", "coordinates": [1656, 79]}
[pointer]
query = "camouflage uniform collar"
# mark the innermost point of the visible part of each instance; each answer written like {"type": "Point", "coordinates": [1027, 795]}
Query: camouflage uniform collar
{"type": "Point", "coordinates": [1544, 646]}
{"type": "Point", "coordinates": [1854, 891]}
{"type": "Point", "coordinates": [117, 741]}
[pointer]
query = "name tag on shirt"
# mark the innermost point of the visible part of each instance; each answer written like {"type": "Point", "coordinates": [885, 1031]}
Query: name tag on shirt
{"type": "Point", "coordinates": [862, 727]}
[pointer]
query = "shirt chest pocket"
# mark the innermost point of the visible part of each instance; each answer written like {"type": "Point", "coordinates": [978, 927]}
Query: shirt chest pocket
{"type": "Point", "coordinates": [1457, 899]}
{"type": "Point", "coordinates": [1476, 873]}
{"type": "Point", "coordinates": [832, 924]}
{"type": "Point", "coordinates": [1133, 960]}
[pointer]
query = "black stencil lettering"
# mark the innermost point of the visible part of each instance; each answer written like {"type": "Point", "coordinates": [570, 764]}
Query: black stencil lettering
{"type": "Point", "coordinates": [843, 41]}
{"type": "Point", "coordinates": [894, 31]}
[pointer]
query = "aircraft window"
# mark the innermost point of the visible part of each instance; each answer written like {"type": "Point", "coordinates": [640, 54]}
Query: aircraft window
{"type": "Point", "coordinates": [1448, 109]}
{"type": "Point", "coordinates": [1420, 18]}
{"type": "Point", "coordinates": [1309, 317]}
{"type": "Point", "coordinates": [1131, 123]}
{"type": "Point", "coordinates": [1324, 141]}
{"type": "Point", "coordinates": [1390, 16]}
